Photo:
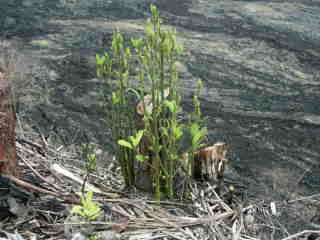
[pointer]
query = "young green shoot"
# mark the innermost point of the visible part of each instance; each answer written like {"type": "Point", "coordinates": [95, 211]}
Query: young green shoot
{"type": "Point", "coordinates": [87, 209]}
{"type": "Point", "coordinates": [90, 158]}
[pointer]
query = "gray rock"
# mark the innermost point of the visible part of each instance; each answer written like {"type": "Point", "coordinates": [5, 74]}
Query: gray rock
{"type": "Point", "coordinates": [16, 208]}
{"type": "Point", "coordinates": [10, 236]}
{"type": "Point", "coordinates": [78, 236]}
{"type": "Point", "coordinates": [108, 235]}
{"type": "Point", "coordinates": [74, 230]}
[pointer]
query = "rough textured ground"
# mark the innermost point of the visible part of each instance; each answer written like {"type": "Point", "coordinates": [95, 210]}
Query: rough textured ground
{"type": "Point", "coordinates": [260, 61]}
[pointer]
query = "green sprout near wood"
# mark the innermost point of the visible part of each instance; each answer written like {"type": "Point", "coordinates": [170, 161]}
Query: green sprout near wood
{"type": "Point", "coordinates": [87, 209]}
{"type": "Point", "coordinates": [133, 143]}
{"type": "Point", "coordinates": [146, 67]}
{"type": "Point", "coordinates": [197, 130]}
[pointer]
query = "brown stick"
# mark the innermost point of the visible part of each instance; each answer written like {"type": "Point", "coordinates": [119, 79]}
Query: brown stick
{"type": "Point", "coordinates": [67, 199]}
{"type": "Point", "coordinates": [38, 174]}
{"type": "Point", "coordinates": [301, 233]}
{"type": "Point", "coordinates": [30, 186]}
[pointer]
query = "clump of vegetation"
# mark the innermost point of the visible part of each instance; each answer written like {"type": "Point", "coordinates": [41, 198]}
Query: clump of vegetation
{"type": "Point", "coordinates": [90, 159]}
{"type": "Point", "coordinates": [142, 88]}
{"type": "Point", "coordinates": [87, 209]}
{"type": "Point", "coordinates": [197, 130]}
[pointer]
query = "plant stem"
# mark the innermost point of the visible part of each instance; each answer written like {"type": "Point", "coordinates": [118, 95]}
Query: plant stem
{"type": "Point", "coordinates": [84, 184]}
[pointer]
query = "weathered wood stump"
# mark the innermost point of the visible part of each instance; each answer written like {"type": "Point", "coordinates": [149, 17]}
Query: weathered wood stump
{"type": "Point", "coordinates": [8, 155]}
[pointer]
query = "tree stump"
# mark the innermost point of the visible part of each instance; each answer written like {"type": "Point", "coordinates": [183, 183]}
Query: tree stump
{"type": "Point", "coordinates": [8, 155]}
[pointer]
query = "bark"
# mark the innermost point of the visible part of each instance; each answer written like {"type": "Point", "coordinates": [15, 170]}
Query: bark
{"type": "Point", "coordinates": [8, 155]}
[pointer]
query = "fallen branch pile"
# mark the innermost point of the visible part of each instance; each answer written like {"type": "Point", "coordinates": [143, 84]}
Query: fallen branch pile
{"type": "Point", "coordinates": [38, 204]}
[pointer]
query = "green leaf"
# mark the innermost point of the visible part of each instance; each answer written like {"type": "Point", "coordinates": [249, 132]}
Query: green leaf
{"type": "Point", "coordinates": [77, 210]}
{"type": "Point", "coordinates": [91, 209]}
{"type": "Point", "coordinates": [153, 9]}
{"type": "Point", "coordinates": [93, 237]}
{"type": "Point", "coordinates": [115, 98]}
{"type": "Point", "coordinates": [194, 129]}
{"type": "Point", "coordinates": [99, 72]}
{"type": "Point", "coordinates": [89, 196]}
{"type": "Point", "coordinates": [139, 136]}
{"type": "Point", "coordinates": [174, 156]}
{"type": "Point", "coordinates": [172, 105]}
{"type": "Point", "coordinates": [132, 141]}
{"type": "Point", "coordinates": [91, 162]}
{"type": "Point", "coordinates": [128, 52]}
{"type": "Point", "coordinates": [164, 131]}
{"type": "Point", "coordinates": [199, 84]}
{"type": "Point", "coordinates": [107, 57]}
{"type": "Point", "coordinates": [201, 145]}
{"type": "Point", "coordinates": [140, 158]}
{"type": "Point", "coordinates": [135, 140]}
{"type": "Point", "coordinates": [179, 49]}
{"type": "Point", "coordinates": [88, 208]}
{"type": "Point", "coordinates": [100, 60]}
{"type": "Point", "coordinates": [137, 42]}
{"type": "Point", "coordinates": [198, 136]}
{"type": "Point", "coordinates": [165, 46]}
{"type": "Point", "coordinates": [135, 92]}
{"type": "Point", "coordinates": [149, 29]}
{"type": "Point", "coordinates": [177, 132]}
{"type": "Point", "coordinates": [124, 143]}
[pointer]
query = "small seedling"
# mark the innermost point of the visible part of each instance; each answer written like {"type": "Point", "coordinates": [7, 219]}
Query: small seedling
{"type": "Point", "coordinates": [90, 158]}
{"type": "Point", "coordinates": [93, 237]}
{"type": "Point", "coordinates": [197, 131]}
{"type": "Point", "coordinates": [87, 209]}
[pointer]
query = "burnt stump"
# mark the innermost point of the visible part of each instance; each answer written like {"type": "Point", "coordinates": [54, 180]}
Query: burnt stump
{"type": "Point", "coordinates": [8, 155]}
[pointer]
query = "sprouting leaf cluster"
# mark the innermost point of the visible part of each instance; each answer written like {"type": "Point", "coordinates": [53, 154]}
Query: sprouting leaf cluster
{"type": "Point", "coordinates": [133, 141]}
{"type": "Point", "coordinates": [90, 157]}
{"type": "Point", "coordinates": [88, 208]}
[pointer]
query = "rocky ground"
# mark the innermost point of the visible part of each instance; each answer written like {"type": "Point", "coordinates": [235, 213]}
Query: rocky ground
{"type": "Point", "coordinates": [260, 62]}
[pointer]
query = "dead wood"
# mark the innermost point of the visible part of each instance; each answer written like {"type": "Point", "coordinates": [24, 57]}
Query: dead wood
{"type": "Point", "coordinates": [8, 156]}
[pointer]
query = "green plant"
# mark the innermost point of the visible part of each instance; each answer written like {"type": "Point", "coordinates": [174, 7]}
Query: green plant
{"type": "Point", "coordinates": [197, 130]}
{"type": "Point", "coordinates": [121, 116]}
{"type": "Point", "coordinates": [90, 158]}
{"type": "Point", "coordinates": [151, 64]}
{"type": "Point", "coordinates": [133, 143]}
{"type": "Point", "coordinates": [171, 133]}
{"type": "Point", "coordinates": [93, 237]}
{"type": "Point", "coordinates": [88, 208]}
{"type": "Point", "coordinates": [157, 56]}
